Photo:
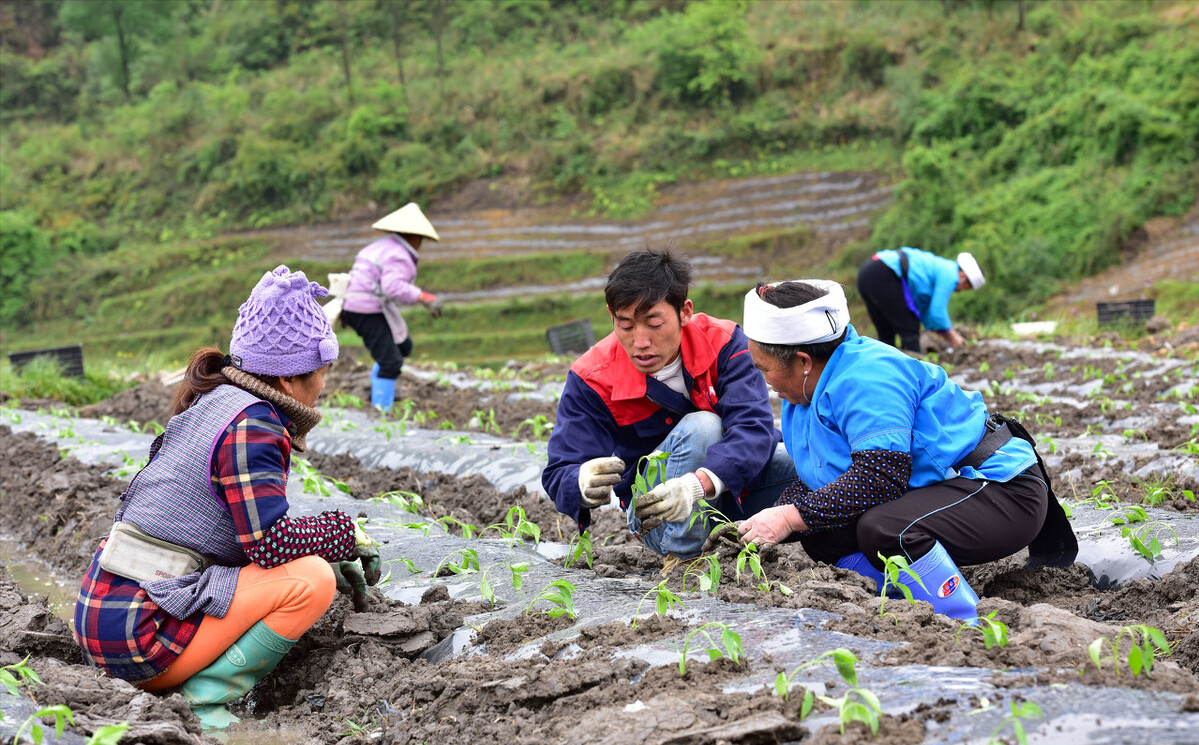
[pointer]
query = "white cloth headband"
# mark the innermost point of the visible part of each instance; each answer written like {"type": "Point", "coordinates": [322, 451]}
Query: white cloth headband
{"type": "Point", "coordinates": [819, 320]}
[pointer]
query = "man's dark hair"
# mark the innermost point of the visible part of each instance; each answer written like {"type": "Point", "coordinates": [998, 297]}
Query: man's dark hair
{"type": "Point", "coordinates": [646, 278]}
{"type": "Point", "coordinates": [789, 295]}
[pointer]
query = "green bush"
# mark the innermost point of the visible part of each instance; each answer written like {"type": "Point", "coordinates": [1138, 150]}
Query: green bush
{"type": "Point", "coordinates": [705, 55]}
{"type": "Point", "coordinates": [866, 59]}
{"type": "Point", "coordinates": [24, 254]}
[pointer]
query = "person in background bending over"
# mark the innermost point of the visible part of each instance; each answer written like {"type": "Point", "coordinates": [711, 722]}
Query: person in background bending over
{"type": "Point", "coordinates": [384, 277]}
{"type": "Point", "coordinates": [205, 579]}
{"type": "Point", "coordinates": [905, 288]}
{"type": "Point", "coordinates": [893, 458]}
{"type": "Point", "coordinates": [668, 380]}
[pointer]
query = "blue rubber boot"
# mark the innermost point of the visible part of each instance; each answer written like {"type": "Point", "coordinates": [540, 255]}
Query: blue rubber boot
{"type": "Point", "coordinates": [383, 393]}
{"type": "Point", "coordinates": [233, 674]}
{"type": "Point", "coordinates": [944, 586]}
{"type": "Point", "coordinates": [374, 374]}
{"type": "Point", "coordinates": [858, 563]}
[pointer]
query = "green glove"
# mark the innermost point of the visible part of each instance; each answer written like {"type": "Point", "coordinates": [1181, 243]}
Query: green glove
{"type": "Point", "coordinates": [351, 582]}
{"type": "Point", "coordinates": [366, 549]}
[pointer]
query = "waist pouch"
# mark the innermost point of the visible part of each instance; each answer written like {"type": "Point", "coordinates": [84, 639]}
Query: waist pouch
{"type": "Point", "coordinates": [136, 555]}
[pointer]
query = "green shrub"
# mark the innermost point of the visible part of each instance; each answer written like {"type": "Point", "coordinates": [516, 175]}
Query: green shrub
{"type": "Point", "coordinates": [24, 254]}
{"type": "Point", "coordinates": [704, 54]}
{"type": "Point", "coordinates": [866, 59]}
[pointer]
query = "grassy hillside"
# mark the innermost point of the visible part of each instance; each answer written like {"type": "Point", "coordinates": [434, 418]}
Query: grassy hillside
{"type": "Point", "coordinates": [1042, 149]}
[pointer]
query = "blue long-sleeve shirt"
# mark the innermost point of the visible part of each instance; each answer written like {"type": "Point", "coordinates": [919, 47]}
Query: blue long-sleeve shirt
{"type": "Point", "coordinates": [931, 280]}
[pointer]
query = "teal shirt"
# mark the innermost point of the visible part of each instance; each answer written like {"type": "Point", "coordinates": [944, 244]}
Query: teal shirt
{"type": "Point", "coordinates": [932, 281]}
{"type": "Point", "coordinates": [871, 396]}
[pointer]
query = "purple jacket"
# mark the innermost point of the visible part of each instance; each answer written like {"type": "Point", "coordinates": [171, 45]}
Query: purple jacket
{"type": "Point", "coordinates": [391, 263]}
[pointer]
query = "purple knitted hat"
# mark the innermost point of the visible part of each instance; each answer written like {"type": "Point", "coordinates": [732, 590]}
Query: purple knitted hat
{"type": "Point", "coordinates": [281, 330]}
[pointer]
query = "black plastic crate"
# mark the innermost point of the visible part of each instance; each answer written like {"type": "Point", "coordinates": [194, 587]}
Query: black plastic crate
{"type": "Point", "coordinates": [70, 359]}
{"type": "Point", "coordinates": [575, 336]}
{"type": "Point", "coordinates": [1125, 312]}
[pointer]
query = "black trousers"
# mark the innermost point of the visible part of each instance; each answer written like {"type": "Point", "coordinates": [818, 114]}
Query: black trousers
{"type": "Point", "coordinates": [882, 291]}
{"type": "Point", "coordinates": [976, 522]}
{"type": "Point", "coordinates": [376, 335]}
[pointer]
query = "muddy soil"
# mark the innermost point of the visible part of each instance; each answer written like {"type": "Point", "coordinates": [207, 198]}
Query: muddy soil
{"type": "Point", "coordinates": [530, 679]}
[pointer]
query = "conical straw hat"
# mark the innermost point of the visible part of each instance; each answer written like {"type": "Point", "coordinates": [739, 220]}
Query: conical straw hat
{"type": "Point", "coordinates": [408, 219]}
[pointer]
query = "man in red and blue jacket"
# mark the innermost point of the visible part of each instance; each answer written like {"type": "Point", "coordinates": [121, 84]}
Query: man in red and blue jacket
{"type": "Point", "coordinates": [666, 380]}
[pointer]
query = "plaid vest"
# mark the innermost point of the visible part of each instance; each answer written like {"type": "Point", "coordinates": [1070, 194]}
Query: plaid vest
{"type": "Point", "coordinates": [173, 499]}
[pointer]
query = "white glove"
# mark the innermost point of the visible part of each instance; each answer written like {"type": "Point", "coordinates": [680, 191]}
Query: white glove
{"type": "Point", "coordinates": [596, 479]}
{"type": "Point", "coordinates": [671, 501]}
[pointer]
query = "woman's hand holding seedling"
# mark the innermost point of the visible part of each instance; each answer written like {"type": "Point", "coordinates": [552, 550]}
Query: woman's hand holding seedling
{"type": "Point", "coordinates": [772, 525]}
{"type": "Point", "coordinates": [366, 549]}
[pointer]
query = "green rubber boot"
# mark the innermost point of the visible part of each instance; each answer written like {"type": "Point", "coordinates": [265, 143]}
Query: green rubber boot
{"type": "Point", "coordinates": [233, 674]}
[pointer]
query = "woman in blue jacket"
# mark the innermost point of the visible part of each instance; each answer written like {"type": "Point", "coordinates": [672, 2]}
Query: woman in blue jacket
{"type": "Point", "coordinates": [905, 288]}
{"type": "Point", "coordinates": [892, 457]}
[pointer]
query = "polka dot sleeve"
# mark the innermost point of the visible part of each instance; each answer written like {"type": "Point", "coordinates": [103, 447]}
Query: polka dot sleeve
{"type": "Point", "coordinates": [875, 477]}
{"type": "Point", "coordinates": [329, 535]}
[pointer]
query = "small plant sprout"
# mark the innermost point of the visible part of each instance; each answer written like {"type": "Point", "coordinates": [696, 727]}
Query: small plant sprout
{"type": "Point", "coordinates": [408, 501]}
{"type": "Point", "coordinates": [486, 421]}
{"type": "Point", "coordinates": [516, 525]}
{"type": "Point", "coordinates": [580, 548]}
{"type": "Point", "coordinates": [749, 556]}
{"type": "Point", "coordinates": [408, 564]}
{"type": "Point", "coordinates": [707, 572]}
{"type": "Point", "coordinates": [842, 658]}
{"type": "Point", "coordinates": [892, 567]}
{"type": "Point", "coordinates": [62, 717]}
{"type": "Point", "coordinates": [539, 426]}
{"type": "Point", "coordinates": [730, 641]}
{"type": "Point", "coordinates": [1145, 643]}
{"type": "Point", "coordinates": [994, 632]}
{"type": "Point", "coordinates": [561, 594]}
{"type": "Point", "coordinates": [468, 530]}
{"type": "Point", "coordinates": [517, 571]}
{"type": "Point", "coordinates": [468, 563]}
{"type": "Point", "coordinates": [18, 674]}
{"type": "Point", "coordinates": [664, 601]}
{"type": "Point", "coordinates": [1144, 536]}
{"type": "Point", "coordinates": [858, 704]}
{"type": "Point", "coordinates": [1020, 712]}
{"type": "Point", "coordinates": [650, 471]}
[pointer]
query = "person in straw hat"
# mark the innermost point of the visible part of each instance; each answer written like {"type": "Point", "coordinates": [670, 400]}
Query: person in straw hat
{"type": "Point", "coordinates": [384, 277]}
{"type": "Point", "coordinates": [892, 457]}
{"type": "Point", "coordinates": [905, 288]}
{"type": "Point", "coordinates": [205, 580]}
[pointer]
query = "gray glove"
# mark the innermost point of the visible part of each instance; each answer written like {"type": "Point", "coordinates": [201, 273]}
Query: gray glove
{"type": "Point", "coordinates": [430, 301]}
{"type": "Point", "coordinates": [352, 582]}
{"type": "Point", "coordinates": [596, 479]}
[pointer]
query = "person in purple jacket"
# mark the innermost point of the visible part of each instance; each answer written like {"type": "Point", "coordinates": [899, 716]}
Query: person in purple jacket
{"type": "Point", "coordinates": [384, 277]}
{"type": "Point", "coordinates": [666, 380]}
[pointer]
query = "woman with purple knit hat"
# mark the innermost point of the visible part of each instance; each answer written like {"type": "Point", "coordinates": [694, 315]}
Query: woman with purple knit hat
{"type": "Point", "coordinates": [205, 580]}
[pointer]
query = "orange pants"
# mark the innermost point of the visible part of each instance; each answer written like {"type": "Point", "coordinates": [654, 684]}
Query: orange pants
{"type": "Point", "coordinates": [288, 598]}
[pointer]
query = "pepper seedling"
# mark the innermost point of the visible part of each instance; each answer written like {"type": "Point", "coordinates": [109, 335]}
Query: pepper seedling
{"type": "Point", "coordinates": [664, 601]}
{"type": "Point", "coordinates": [842, 658]}
{"type": "Point", "coordinates": [892, 567]}
{"type": "Point", "coordinates": [580, 547]}
{"type": "Point", "coordinates": [1140, 654]}
{"type": "Point", "coordinates": [994, 632]}
{"type": "Point", "coordinates": [1024, 710]}
{"type": "Point", "coordinates": [517, 571]}
{"type": "Point", "coordinates": [468, 564]}
{"type": "Point", "coordinates": [559, 592]}
{"type": "Point", "coordinates": [730, 640]}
